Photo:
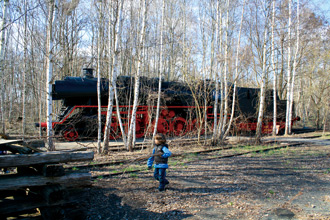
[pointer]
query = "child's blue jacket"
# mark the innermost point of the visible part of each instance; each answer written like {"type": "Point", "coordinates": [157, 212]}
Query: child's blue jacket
{"type": "Point", "coordinates": [166, 154]}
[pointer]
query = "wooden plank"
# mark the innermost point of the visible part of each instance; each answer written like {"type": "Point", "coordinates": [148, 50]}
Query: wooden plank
{"type": "Point", "coordinates": [16, 149]}
{"type": "Point", "coordinates": [44, 158]}
{"type": "Point", "coordinates": [13, 182]}
{"type": "Point", "coordinates": [4, 142]}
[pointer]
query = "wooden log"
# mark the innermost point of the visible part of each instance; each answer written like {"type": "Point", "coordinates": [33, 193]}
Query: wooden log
{"type": "Point", "coordinates": [44, 158]}
{"type": "Point", "coordinates": [13, 182]}
{"type": "Point", "coordinates": [5, 142]}
{"type": "Point", "coordinates": [16, 149]}
{"type": "Point", "coordinates": [53, 170]}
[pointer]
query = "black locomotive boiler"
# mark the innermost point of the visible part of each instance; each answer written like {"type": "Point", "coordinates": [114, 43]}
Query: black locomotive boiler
{"type": "Point", "coordinates": [180, 105]}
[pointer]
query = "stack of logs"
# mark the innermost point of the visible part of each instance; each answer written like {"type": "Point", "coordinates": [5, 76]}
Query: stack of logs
{"type": "Point", "coordinates": [36, 183]}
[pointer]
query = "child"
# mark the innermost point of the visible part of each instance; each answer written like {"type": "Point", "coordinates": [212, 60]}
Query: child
{"type": "Point", "coordinates": [160, 155]}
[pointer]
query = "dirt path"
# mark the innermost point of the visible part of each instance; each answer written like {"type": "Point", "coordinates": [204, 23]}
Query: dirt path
{"type": "Point", "coordinates": [289, 183]}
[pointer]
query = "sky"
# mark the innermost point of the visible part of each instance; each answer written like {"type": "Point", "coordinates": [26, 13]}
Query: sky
{"type": "Point", "coordinates": [323, 6]}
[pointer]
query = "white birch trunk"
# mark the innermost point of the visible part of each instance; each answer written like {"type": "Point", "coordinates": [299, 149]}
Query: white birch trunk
{"type": "Point", "coordinates": [99, 57]}
{"type": "Point", "coordinates": [216, 100]}
{"type": "Point", "coordinates": [122, 128]}
{"type": "Point", "coordinates": [204, 43]}
{"type": "Point", "coordinates": [274, 72]}
{"type": "Point", "coordinates": [49, 71]}
{"type": "Point", "coordinates": [2, 57]}
{"type": "Point", "coordinates": [137, 78]}
{"type": "Point", "coordinates": [220, 78]}
{"type": "Point", "coordinates": [262, 90]}
{"type": "Point", "coordinates": [160, 71]}
{"type": "Point", "coordinates": [184, 43]}
{"type": "Point", "coordinates": [288, 93]}
{"type": "Point", "coordinates": [41, 102]}
{"type": "Point", "coordinates": [225, 112]}
{"type": "Point", "coordinates": [294, 70]}
{"type": "Point", "coordinates": [236, 74]}
{"type": "Point", "coordinates": [114, 73]}
{"type": "Point", "coordinates": [24, 71]}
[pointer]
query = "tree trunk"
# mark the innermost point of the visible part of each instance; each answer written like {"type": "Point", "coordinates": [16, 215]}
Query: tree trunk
{"type": "Point", "coordinates": [236, 74]}
{"type": "Point", "coordinates": [262, 89]}
{"type": "Point", "coordinates": [160, 71]}
{"type": "Point", "coordinates": [274, 72]}
{"type": "Point", "coordinates": [114, 72]}
{"type": "Point", "coordinates": [288, 93]}
{"type": "Point", "coordinates": [2, 49]}
{"type": "Point", "coordinates": [294, 71]}
{"type": "Point", "coordinates": [137, 78]}
{"type": "Point", "coordinates": [225, 93]}
{"type": "Point", "coordinates": [49, 70]}
{"type": "Point", "coordinates": [100, 49]}
{"type": "Point", "coordinates": [216, 100]}
{"type": "Point", "coordinates": [25, 42]}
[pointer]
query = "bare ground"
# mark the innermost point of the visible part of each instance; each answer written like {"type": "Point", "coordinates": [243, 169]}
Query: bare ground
{"type": "Point", "coordinates": [291, 183]}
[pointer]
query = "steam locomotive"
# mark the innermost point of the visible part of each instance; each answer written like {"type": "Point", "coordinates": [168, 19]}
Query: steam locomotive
{"type": "Point", "coordinates": [180, 113]}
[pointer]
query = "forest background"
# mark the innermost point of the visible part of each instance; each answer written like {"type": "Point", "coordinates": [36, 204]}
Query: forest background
{"type": "Point", "coordinates": [269, 44]}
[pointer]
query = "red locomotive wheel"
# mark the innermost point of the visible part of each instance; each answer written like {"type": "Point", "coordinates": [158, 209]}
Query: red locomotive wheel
{"type": "Point", "coordinates": [171, 114]}
{"type": "Point", "coordinates": [114, 129]}
{"type": "Point", "coordinates": [178, 126]}
{"type": "Point", "coordinates": [162, 126]}
{"type": "Point", "coordinates": [139, 128]}
{"type": "Point", "coordinates": [164, 113]}
{"type": "Point", "coordinates": [70, 134]}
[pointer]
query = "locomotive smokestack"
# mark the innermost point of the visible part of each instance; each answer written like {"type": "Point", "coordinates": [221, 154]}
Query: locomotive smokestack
{"type": "Point", "coordinates": [88, 72]}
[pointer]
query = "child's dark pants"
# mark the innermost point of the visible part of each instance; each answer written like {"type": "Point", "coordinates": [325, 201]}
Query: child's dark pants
{"type": "Point", "coordinates": [160, 174]}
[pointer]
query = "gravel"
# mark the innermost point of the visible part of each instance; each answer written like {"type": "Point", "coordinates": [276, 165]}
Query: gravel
{"type": "Point", "coordinates": [290, 183]}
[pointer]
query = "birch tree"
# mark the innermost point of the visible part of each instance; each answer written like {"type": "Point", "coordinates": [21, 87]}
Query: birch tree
{"type": "Point", "coordinates": [52, 5]}
{"type": "Point", "coordinates": [137, 77]}
{"type": "Point", "coordinates": [236, 74]}
{"type": "Point", "coordinates": [262, 85]}
{"type": "Point", "coordinates": [294, 71]}
{"type": "Point", "coordinates": [160, 70]}
{"type": "Point", "coordinates": [288, 92]}
{"type": "Point", "coordinates": [100, 49]}
{"type": "Point", "coordinates": [2, 49]}
{"type": "Point", "coordinates": [223, 123]}
{"type": "Point", "coordinates": [274, 72]}
{"type": "Point", "coordinates": [217, 70]}
{"type": "Point", "coordinates": [204, 73]}
{"type": "Point", "coordinates": [25, 69]}
{"type": "Point", "coordinates": [114, 70]}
